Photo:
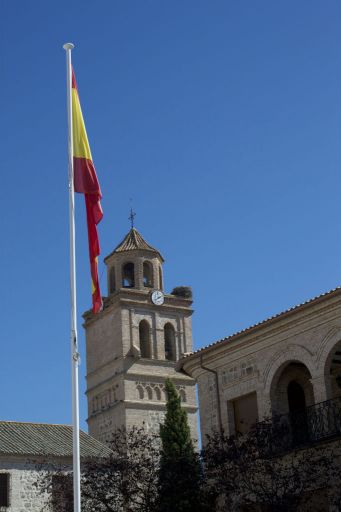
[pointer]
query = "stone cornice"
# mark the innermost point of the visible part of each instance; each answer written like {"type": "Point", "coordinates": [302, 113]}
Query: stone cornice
{"type": "Point", "coordinates": [142, 405]}
{"type": "Point", "coordinates": [132, 297]}
{"type": "Point", "coordinates": [288, 323]}
{"type": "Point", "coordinates": [158, 406]}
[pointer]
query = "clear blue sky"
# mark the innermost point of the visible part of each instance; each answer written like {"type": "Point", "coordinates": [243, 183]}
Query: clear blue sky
{"type": "Point", "coordinates": [221, 119]}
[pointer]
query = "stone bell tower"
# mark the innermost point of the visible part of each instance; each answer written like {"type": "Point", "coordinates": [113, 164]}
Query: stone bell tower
{"type": "Point", "coordinates": [132, 345]}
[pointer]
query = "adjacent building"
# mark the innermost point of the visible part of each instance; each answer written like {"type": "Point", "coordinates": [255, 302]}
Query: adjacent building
{"type": "Point", "coordinates": [30, 450]}
{"type": "Point", "coordinates": [288, 363]}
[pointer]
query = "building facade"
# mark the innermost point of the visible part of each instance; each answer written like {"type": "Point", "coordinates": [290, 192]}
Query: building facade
{"type": "Point", "coordinates": [29, 452]}
{"type": "Point", "coordinates": [285, 364]}
{"type": "Point", "coordinates": [133, 345]}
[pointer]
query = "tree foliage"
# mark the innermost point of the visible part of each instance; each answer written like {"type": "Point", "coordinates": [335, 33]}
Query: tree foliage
{"type": "Point", "coordinates": [124, 481]}
{"type": "Point", "coordinates": [175, 432]}
{"type": "Point", "coordinates": [255, 471]}
{"type": "Point", "coordinates": [180, 477]}
{"type": "Point", "coordinates": [258, 471]}
{"type": "Point", "coordinates": [127, 480]}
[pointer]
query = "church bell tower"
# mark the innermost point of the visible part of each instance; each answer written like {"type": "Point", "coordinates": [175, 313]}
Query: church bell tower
{"type": "Point", "coordinates": [133, 344]}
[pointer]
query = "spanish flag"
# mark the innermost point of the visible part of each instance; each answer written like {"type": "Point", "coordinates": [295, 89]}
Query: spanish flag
{"type": "Point", "coordinates": [86, 182]}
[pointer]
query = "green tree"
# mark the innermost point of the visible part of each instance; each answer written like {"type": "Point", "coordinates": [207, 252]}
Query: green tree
{"type": "Point", "coordinates": [180, 475]}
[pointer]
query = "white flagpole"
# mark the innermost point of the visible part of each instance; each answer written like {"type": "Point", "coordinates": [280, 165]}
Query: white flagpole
{"type": "Point", "coordinates": [74, 344]}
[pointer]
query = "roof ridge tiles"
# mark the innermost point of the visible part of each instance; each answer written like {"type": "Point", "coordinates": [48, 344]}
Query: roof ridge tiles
{"type": "Point", "coordinates": [261, 322]}
{"type": "Point", "coordinates": [37, 423]}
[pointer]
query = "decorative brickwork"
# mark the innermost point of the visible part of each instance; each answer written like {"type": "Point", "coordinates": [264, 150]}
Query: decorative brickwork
{"type": "Point", "coordinates": [155, 391]}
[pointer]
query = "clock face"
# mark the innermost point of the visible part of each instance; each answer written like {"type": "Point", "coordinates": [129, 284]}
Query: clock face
{"type": "Point", "coordinates": [158, 298]}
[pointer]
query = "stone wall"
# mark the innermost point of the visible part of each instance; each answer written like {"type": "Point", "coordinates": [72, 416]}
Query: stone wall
{"type": "Point", "coordinates": [24, 494]}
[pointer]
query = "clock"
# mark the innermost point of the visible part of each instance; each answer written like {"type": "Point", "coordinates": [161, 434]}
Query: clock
{"type": "Point", "coordinates": [157, 297]}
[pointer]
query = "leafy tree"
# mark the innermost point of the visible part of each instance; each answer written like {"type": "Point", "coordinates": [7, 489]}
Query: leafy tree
{"type": "Point", "coordinates": [180, 475]}
{"type": "Point", "coordinates": [127, 480]}
{"type": "Point", "coordinates": [261, 471]}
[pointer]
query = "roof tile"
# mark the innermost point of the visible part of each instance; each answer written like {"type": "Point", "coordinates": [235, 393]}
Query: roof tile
{"type": "Point", "coordinates": [19, 438]}
{"type": "Point", "coordinates": [261, 323]}
{"type": "Point", "coordinates": [132, 242]}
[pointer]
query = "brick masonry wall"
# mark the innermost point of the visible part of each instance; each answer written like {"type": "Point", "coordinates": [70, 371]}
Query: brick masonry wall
{"type": "Point", "coordinates": [124, 389]}
{"type": "Point", "coordinates": [257, 361]}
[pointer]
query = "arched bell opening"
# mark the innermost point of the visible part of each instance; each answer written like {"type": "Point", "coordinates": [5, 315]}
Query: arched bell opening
{"type": "Point", "coordinates": [147, 274]}
{"type": "Point", "coordinates": [128, 275]}
{"type": "Point", "coordinates": [160, 278]}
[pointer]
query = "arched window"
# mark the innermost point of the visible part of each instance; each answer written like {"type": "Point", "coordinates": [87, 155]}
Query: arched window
{"type": "Point", "coordinates": [113, 395]}
{"type": "Point", "coordinates": [112, 280]}
{"type": "Point", "coordinates": [160, 279]}
{"type": "Point", "coordinates": [169, 334]}
{"type": "Point", "coordinates": [147, 274]}
{"type": "Point", "coordinates": [140, 392]}
{"type": "Point", "coordinates": [158, 393]}
{"type": "Point", "coordinates": [182, 395]}
{"type": "Point", "coordinates": [128, 278]}
{"type": "Point", "coordinates": [149, 392]}
{"type": "Point", "coordinates": [144, 333]}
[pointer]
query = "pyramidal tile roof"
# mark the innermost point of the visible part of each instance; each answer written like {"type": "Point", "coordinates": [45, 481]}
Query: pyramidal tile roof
{"type": "Point", "coordinates": [132, 242]}
{"type": "Point", "coordinates": [44, 439]}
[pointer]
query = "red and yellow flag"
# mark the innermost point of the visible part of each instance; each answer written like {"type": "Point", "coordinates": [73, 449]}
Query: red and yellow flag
{"type": "Point", "coordinates": [86, 182]}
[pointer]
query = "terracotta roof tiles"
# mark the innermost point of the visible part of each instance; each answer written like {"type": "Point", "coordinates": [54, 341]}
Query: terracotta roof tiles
{"type": "Point", "coordinates": [133, 241]}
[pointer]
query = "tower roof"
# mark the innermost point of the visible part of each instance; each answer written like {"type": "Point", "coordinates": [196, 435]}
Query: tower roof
{"type": "Point", "coordinates": [133, 241]}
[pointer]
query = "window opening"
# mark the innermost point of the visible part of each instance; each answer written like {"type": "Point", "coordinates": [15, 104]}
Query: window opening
{"type": "Point", "coordinates": [169, 334]}
{"type": "Point", "coordinates": [144, 333]}
{"type": "Point", "coordinates": [147, 274]}
{"type": "Point", "coordinates": [128, 278]}
{"type": "Point", "coordinates": [297, 412]}
{"type": "Point", "coordinates": [4, 489]}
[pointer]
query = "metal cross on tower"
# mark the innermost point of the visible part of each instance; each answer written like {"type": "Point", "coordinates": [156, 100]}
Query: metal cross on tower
{"type": "Point", "coordinates": [132, 217]}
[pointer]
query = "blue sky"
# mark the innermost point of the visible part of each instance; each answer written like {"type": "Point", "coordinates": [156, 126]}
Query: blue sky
{"type": "Point", "coordinates": [220, 119]}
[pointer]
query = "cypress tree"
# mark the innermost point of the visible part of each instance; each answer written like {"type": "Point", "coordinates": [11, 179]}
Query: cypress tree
{"type": "Point", "coordinates": [179, 477]}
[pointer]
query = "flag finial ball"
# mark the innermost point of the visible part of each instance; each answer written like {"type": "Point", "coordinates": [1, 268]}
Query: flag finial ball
{"type": "Point", "coordinates": [68, 46]}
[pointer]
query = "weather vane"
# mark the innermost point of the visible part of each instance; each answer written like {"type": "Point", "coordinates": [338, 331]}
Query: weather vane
{"type": "Point", "coordinates": [132, 217]}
